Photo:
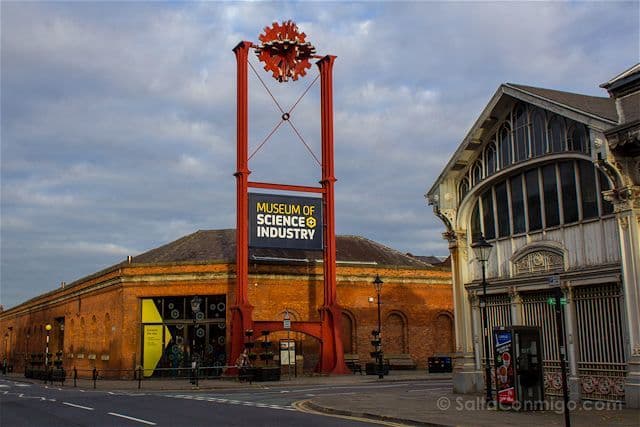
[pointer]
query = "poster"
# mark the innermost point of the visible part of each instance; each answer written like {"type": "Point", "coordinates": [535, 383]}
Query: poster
{"type": "Point", "coordinates": [505, 378]}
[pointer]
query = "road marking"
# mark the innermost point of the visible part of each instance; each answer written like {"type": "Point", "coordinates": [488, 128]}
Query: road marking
{"type": "Point", "coordinates": [77, 406]}
{"type": "Point", "coordinates": [301, 406]}
{"type": "Point", "coordinates": [3, 385]}
{"type": "Point", "coordinates": [132, 418]}
{"type": "Point", "coordinates": [428, 389]}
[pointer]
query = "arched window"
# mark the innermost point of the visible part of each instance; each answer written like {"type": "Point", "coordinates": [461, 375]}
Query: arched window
{"type": "Point", "coordinates": [476, 231]}
{"type": "Point", "coordinates": [538, 134]}
{"type": "Point", "coordinates": [476, 172]}
{"type": "Point", "coordinates": [578, 140]}
{"type": "Point", "coordinates": [490, 159]}
{"type": "Point", "coordinates": [463, 189]}
{"type": "Point", "coordinates": [521, 134]}
{"type": "Point", "coordinates": [556, 135]}
{"type": "Point", "coordinates": [505, 146]}
{"type": "Point", "coordinates": [488, 220]}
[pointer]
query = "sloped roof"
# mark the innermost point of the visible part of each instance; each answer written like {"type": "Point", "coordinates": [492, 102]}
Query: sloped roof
{"type": "Point", "coordinates": [220, 245]}
{"type": "Point", "coordinates": [596, 105]}
{"type": "Point", "coordinates": [621, 78]}
{"type": "Point", "coordinates": [602, 109]}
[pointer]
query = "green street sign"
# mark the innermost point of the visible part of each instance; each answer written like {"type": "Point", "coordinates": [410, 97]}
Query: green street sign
{"type": "Point", "coordinates": [552, 301]}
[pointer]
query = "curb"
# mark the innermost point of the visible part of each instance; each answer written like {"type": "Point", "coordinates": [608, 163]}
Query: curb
{"type": "Point", "coordinates": [332, 411]}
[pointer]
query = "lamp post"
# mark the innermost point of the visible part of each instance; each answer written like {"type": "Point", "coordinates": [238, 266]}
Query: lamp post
{"type": "Point", "coordinates": [482, 249]}
{"type": "Point", "coordinates": [377, 284]}
{"type": "Point", "coordinates": [46, 350]}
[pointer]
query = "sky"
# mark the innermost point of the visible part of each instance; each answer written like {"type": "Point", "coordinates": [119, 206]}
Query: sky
{"type": "Point", "coordinates": [118, 118]}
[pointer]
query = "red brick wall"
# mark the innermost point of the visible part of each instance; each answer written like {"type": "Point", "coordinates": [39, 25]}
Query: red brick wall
{"type": "Point", "coordinates": [104, 322]}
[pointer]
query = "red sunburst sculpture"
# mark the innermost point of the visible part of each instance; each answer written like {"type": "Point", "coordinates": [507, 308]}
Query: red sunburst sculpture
{"type": "Point", "coordinates": [284, 51]}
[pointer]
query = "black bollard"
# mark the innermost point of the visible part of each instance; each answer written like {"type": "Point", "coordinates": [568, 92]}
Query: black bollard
{"type": "Point", "coordinates": [139, 377]}
{"type": "Point", "coordinates": [95, 377]}
{"type": "Point", "coordinates": [75, 377]}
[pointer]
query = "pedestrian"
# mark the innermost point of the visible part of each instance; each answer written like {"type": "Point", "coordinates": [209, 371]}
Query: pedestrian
{"type": "Point", "coordinates": [242, 363]}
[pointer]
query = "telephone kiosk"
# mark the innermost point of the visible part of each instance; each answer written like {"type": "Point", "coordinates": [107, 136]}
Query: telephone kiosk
{"type": "Point", "coordinates": [518, 366]}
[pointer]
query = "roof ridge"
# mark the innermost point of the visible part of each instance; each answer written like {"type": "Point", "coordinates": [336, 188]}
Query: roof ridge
{"type": "Point", "coordinates": [395, 251]}
{"type": "Point", "coordinates": [520, 86]}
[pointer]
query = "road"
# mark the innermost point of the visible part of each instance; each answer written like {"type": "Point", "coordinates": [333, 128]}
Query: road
{"type": "Point", "coordinates": [26, 404]}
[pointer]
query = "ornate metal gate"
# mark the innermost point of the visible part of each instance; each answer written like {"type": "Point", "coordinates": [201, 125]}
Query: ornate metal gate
{"type": "Point", "coordinates": [498, 314]}
{"type": "Point", "coordinates": [600, 352]}
{"type": "Point", "coordinates": [536, 311]}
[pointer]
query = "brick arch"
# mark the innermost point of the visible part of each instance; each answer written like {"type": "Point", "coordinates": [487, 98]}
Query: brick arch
{"type": "Point", "coordinates": [395, 333]}
{"type": "Point", "coordinates": [443, 332]}
{"type": "Point", "coordinates": [349, 332]}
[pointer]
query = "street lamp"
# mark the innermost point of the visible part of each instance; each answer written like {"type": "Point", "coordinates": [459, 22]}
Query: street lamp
{"type": "Point", "coordinates": [46, 352]}
{"type": "Point", "coordinates": [482, 249]}
{"type": "Point", "coordinates": [377, 284]}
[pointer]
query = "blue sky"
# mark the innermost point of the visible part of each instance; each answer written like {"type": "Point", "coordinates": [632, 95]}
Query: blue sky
{"type": "Point", "coordinates": [118, 119]}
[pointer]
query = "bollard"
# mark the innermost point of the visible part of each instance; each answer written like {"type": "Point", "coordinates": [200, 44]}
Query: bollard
{"type": "Point", "coordinates": [139, 377]}
{"type": "Point", "coordinates": [197, 374]}
{"type": "Point", "coordinates": [95, 377]}
{"type": "Point", "coordinates": [75, 377]}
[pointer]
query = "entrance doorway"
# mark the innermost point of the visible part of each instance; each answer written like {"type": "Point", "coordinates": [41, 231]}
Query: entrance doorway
{"type": "Point", "coordinates": [186, 335]}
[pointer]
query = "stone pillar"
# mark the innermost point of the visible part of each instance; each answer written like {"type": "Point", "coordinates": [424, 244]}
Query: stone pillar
{"type": "Point", "coordinates": [476, 322]}
{"type": "Point", "coordinates": [467, 378]}
{"type": "Point", "coordinates": [627, 209]}
{"type": "Point", "coordinates": [573, 380]}
{"type": "Point", "coordinates": [516, 306]}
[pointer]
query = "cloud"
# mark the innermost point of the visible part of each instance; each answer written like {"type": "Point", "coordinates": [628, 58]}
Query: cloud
{"type": "Point", "coordinates": [117, 120]}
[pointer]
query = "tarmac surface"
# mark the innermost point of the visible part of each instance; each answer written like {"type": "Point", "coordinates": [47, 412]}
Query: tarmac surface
{"type": "Point", "coordinates": [420, 406]}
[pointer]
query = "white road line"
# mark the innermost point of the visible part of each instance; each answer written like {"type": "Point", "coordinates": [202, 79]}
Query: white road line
{"type": "Point", "coordinates": [77, 406]}
{"type": "Point", "coordinates": [428, 389]}
{"type": "Point", "coordinates": [132, 418]}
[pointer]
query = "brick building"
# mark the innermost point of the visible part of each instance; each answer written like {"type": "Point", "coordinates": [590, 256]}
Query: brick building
{"type": "Point", "coordinates": [106, 320]}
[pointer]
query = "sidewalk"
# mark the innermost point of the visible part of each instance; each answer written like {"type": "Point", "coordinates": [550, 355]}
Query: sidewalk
{"type": "Point", "coordinates": [416, 406]}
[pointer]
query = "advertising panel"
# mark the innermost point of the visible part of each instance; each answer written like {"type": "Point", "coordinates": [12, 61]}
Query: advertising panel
{"type": "Point", "coordinates": [285, 222]}
{"type": "Point", "coordinates": [505, 378]}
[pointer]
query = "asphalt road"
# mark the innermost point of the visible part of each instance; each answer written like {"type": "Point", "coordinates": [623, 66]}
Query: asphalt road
{"type": "Point", "coordinates": [24, 404]}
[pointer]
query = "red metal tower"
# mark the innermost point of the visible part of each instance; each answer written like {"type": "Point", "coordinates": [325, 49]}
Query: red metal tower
{"type": "Point", "coordinates": [286, 54]}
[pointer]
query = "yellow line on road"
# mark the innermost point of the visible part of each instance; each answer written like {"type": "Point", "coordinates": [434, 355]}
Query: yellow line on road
{"type": "Point", "coordinates": [302, 407]}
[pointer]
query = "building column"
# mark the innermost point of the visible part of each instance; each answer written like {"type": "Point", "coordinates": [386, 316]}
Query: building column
{"type": "Point", "coordinates": [573, 380]}
{"type": "Point", "coordinates": [516, 306]}
{"type": "Point", "coordinates": [467, 378]}
{"type": "Point", "coordinates": [627, 210]}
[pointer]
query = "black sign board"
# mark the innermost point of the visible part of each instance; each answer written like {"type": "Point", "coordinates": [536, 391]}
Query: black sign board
{"type": "Point", "coordinates": [286, 222]}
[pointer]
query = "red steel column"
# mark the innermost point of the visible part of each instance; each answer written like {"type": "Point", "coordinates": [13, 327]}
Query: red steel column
{"type": "Point", "coordinates": [241, 311]}
{"type": "Point", "coordinates": [332, 352]}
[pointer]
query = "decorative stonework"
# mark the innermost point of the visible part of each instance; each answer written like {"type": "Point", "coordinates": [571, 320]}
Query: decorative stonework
{"type": "Point", "coordinates": [624, 222]}
{"type": "Point", "coordinates": [537, 262]}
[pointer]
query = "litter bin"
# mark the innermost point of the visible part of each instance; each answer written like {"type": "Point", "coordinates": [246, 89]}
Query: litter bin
{"type": "Point", "coordinates": [439, 365]}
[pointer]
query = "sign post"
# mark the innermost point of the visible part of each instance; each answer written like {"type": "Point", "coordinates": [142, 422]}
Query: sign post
{"type": "Point", "coordinates": [287, 325]}
{"type": "Point", "coordinates": [554, 283]}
